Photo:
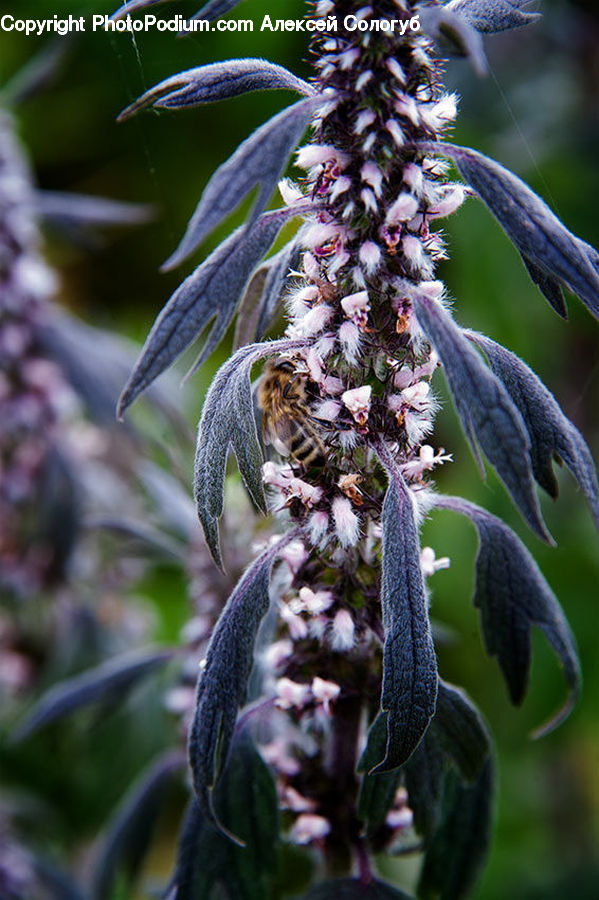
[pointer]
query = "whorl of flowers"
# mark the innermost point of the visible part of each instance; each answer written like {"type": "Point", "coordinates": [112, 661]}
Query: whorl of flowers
{"type": "Point", "coordinates": [368, 324]}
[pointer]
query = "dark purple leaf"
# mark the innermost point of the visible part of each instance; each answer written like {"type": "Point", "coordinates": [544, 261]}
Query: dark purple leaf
{"type": "Point", "coordinates": [409, 665]}
{"type": "Point", "coordinates": [454, 858]}
{"type": "Point", "coordinates": [259, 160]}
{"type": "Point", "coordinates": [460, 731]}
{"type": "Point", "coordinates": [115, 676]}
{"type": "Point", "coordinates": [352, 889]}
{"type": "Point", "coordinates": [485, 409]}
{"type": "Point", "coordinates": [554, 253]}
{"type": "Point", "coordinates": [129, 833]}
{"type": "Point", "coordinates": [131, 6]}
{"type": "Point", "coordinates": [424, 776]}
{"type": "Point", "coordinates": [455, 35]}
{"type": "Point", "coordinates": [217, 81]}
{"type": "Point", "coordinates": [222, 685]}
{"type": "Point", "coordinates": [490, 16]}
{"type": "Point", "coordinates": [83, 209]}
{"type": "Point", "coordinates": [549, 287]}
{"type": "Point", "coordinates": [377, 792]}
{"type": "Point", "coordinates": [246, 800]}
{"type": "Point", "coordinates": [512, 596]}
{"type": "Point", "coordinates": [228, 420]}
{"type": "Point", "coordinates": [214, 289]}
{"type": "Point", "coordinates": [286, 259]}
{"type": "Point", "coordinates": [214, 9]}
{"type": "Point", "coordinates": [552, 435]}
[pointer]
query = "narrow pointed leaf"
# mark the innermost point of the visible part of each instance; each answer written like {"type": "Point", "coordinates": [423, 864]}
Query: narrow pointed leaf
{"type": "Point", "coordinates": [214, 289]}
{"type": "Point", "coordinates": [286, 259]}
{"type": "Point", "coordinates": [512, 596]}
{"type": "Point", "coordinates": [246, 800]}
{"type": "Point", "coordinates": [552, 435]}
{"type": "Point", "coordinates": [222, 686]}
{"type": "Point", "coordinates": [228, 420]}
{"type": "Point", "coordinates": [489, 16]}
{"type": "Point", "coordinates": [83, 209]}
{"type": "Point", "coordinates": [454, 859]}
{"type": "Point", "coordinates": [409, 665]}
{"type": "Point", "coordinates": [460, 730]}
{"type": "Point", "coordinates": [485, 410]}
{"type": "Point", "coordinates": [549, 287]}
{"type": "Point", "coordinates": [534, 229]}
{"type": "Point", "coordinates": [455, 35]}
{"type": "Point", "coordinates": [110, 678]}
{"type": "Point", "coordinates": [216, 8]}
{"type": "Point", "coordinates": [129, 834]}
{"type": "Point", "coordinates": [377, 792]}
{"type": "Point", "coordinates": [218, 81]}
{"type": "Point", "coordinates": [352, 889]}
{"type": "Point", "coordinates": [246, 323]}
{"type": "Point", "coordinates": [131, 6]}
{"type": "Point", "coordinates": [259, 160]}
{"type": "Point", "coordinates": [424, 775]}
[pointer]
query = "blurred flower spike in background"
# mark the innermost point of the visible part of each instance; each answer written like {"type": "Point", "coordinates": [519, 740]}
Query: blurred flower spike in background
{"type": "Point", "coordinates": [324, 735]}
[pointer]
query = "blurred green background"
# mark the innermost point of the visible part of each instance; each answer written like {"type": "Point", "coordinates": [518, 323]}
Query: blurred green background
{"type": "Point", "coordinates": [537, 113]}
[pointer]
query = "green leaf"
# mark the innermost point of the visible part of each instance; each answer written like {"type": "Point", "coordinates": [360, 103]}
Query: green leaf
{"type": "Point", "coordinates": [459, 847]}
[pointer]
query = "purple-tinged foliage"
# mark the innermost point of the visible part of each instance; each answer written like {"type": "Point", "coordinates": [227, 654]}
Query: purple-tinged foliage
{"type": "Point", "coordinates": [228, 420]}
{"type": "Point", "coordinates": [458, 849]}
{"type": "Point", "coordinates": [260, 160]}
{"type": "Point", "coordinates": [128, 835]}
{"type": "Point", "coordinates": [553, 255]}
{"type": "Point", "coordinates": [222, 685]}
{"type": "Point", "coordinates": [76, 210]}
{"type": "Point", "coordinates": [489, 16]}
{"type": "Point", "coordinates": [409, 688]}
{"type": "Point", "coordinates": [218, 81]}
{"type": "Point", "coordinates": [455, 35]}
{"type": "Point", "coordinates": [512, 596]}
{"type": "Point", "coordinates": [108, 680]}
{"type": "Point", "coordinates": [212, 290]}
{"type": "Point", "coordinates": [207, 859]}
{"type": "Point", "coordinates": [214, 9]}
{"type": "Point", "coordinates": [131, 6]}
{"type": "Point", "coordinates": [486, 410]}
{"type": "Point", "coordinates": [552, 435]}
{"type": "Point", "coordinates": [354, 889]}
{"type": "Point", "coordinates": [347, 404]}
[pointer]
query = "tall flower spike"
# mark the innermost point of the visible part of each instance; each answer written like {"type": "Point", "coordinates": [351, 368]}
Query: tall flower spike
{"type": "Point", "coordinates": [347, 400]}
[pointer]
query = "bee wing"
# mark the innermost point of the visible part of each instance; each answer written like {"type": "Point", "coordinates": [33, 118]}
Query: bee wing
{"type": "Point", "coordinates": [278, 429]}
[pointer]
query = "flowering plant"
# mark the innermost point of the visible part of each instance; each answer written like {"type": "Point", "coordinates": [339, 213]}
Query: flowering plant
{"type": "Point", "coordinates": [325, 644]}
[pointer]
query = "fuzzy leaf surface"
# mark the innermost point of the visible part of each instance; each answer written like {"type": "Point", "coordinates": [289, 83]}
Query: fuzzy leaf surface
{"type": "Point", "coordinates": [286, 260]}
{"type": "Point", "coordinates": [409, 664]}
{"type": "Point", "coordinates": [259, 160]}
{"type": "Point", "coordinates": [490, 16]}
{"type": "Point", "coordinates": [217, 81]}
{"type": "Point", "coordinates": [216, 8]}
{"type": "Point", "coordinates": [424, 775]}
{"type": "Point", "coordinates": [131, 6]}
{"type": "Point", "coordinates": [485, 409]}
{"type": "Point", "coordinates": [455, 35]}
{"type": "Point", "coordinates": [352, 889]}
{"type": "Point", "coordinates": [552, 435]}
{"type": "Point", "coordinates": [222, 685]}
{"type": "Point", "coordinates": [212, 290]}
{"type": "Point", "coordinates": [207, 860]}
{"type": "Point", "coordinates": [110, 678]}
{"type": "Point", "coordinates": [543, 241]}
{"type": "Point", "coordinates": [460, 730]}
{"type": "Point", "coordinates": [377, 792]}
{"type": "Point", "coordinates": [228, 421]}
{"type": "Point", "coordinates": [459, 847]}
{"type": "Point", "coordinates": [129, 834]}
{"type": "Point", "coordinates": [512, 596]}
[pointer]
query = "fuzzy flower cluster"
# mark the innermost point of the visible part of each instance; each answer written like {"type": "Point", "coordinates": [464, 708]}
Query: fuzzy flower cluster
{"type": "Point", "coordinates": [370, 248]}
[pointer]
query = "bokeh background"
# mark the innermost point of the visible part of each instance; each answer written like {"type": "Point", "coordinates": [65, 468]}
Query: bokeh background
{"type": "Point", "coordinates": [537, 113]}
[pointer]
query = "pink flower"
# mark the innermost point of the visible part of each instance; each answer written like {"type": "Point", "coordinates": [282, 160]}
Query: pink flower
{"type": "Point", "coordinates": [347, 526]}
{"type": "Point", "coordinates": [309, 827]}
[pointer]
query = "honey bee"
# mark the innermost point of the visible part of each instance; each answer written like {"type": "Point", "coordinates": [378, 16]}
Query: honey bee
{"type": "Point", "coordinates": [286, 418]}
